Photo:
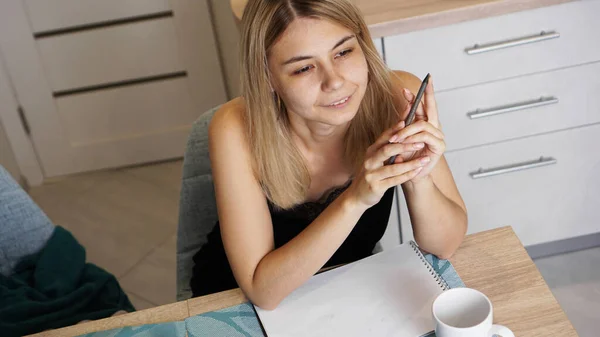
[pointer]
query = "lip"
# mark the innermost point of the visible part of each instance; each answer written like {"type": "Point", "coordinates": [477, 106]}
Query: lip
{"type": "Point", "coordinates": [347, 98]}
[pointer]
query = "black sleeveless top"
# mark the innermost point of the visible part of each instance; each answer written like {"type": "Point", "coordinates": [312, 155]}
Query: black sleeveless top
{"type": "Point", "coordinates": [212, 272]}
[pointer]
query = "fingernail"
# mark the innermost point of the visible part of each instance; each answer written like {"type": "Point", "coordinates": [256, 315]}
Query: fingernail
{"type": "Point", "coordinates": [401, 124]}
{"type": "Point", "coordinates": [425, 160]}
{"type": "Point", "coordinates": [419, 145]}
{"type": "Point", "coordinates": [393, 139]}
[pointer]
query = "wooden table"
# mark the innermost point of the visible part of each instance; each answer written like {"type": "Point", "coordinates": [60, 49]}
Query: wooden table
{"type": "Point", "coordinates": [493, 262]}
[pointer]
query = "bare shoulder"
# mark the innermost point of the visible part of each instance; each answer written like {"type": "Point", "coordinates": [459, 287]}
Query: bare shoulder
{"type": "Point", "coordinates": [227, 138]}
{"type": "Point", "coordinates": [228, 118]}
{"type": "Point", "coordinates": [403, 79]}
{"type": "Point", "coordinates": [227, 127]}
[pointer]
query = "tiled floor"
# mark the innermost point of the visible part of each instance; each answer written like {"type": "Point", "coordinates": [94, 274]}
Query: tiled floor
{"type": "Point", "coordinates": [127, 220]}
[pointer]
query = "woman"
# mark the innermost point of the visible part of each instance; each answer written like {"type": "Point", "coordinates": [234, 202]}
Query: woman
{"type": "Point", "coordinates": [298, 160]}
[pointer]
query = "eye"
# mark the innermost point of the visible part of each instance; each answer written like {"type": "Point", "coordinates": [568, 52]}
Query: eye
{"type": "Point", "coordinates": [302, 70]}
{"type": "Point", "coordinates": [345, 52]}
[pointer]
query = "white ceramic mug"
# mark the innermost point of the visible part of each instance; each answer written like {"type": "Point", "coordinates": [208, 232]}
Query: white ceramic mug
{"type": "Point", "coordinates": [464, 312]}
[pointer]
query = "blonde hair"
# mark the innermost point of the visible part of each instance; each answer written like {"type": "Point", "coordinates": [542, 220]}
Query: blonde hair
{"type": "Point", "coordinates": [278, 163]}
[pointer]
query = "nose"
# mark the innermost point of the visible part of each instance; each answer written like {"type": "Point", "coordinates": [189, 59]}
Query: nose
{"type": "Point", "coordinates": [332, 81]}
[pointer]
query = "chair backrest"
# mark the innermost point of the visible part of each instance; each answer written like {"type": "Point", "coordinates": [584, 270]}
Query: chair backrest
{"type": "Point", "coordinates": [197, 205]}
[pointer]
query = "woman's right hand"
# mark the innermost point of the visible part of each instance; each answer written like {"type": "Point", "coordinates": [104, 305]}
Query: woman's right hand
{"type": "Point", "coordinates": [376, 177]}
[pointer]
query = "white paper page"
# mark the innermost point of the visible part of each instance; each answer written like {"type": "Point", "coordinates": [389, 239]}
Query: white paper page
{"type": "Point", "coordinates": [387, 294]}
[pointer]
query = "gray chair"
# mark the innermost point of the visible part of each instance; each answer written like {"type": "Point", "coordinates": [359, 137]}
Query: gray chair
{"type": "Point", "coordinates": [197, 205]}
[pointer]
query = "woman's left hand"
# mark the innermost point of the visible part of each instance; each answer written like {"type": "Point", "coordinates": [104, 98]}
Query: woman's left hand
{"type": "Point", "coordinates": [425, 129]}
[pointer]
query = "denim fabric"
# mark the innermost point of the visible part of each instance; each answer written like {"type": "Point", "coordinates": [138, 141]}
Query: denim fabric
{"type": "Point", "coordinates": [24, 228]}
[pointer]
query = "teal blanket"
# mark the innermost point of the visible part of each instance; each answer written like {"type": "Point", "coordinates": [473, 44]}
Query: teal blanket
{"type": "Point", "coordinates": [56, 288]}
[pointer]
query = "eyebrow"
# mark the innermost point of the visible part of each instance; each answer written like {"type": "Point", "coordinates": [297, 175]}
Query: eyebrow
{"type": "Point", "coordinates": [302, 58]}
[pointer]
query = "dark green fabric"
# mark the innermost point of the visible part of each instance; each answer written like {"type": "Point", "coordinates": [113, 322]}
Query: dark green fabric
{"type": "Point", "coordinates": [56, 288]}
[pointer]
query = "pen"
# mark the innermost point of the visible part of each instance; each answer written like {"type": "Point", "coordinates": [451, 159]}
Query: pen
{"type": "Point", "coordinates": [411, 114]}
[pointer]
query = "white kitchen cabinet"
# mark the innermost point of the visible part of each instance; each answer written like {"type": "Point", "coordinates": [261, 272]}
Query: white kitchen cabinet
{"type": "Point", "coordinates": [558, 199]}
{"type": "Point", "coordinates": [533, 104]}
{"type": "Point", "coordinates": [442, 51]}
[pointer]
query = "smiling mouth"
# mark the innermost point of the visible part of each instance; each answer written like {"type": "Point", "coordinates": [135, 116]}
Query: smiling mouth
{"type": "Point", "coordinates": [340, 102]}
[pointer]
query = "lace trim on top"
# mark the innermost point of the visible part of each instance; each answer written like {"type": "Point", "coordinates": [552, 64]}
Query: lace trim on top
{"type": "Point", "coordinates": [312, 209]}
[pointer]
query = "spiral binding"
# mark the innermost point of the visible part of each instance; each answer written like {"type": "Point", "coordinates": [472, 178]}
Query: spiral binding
{"type": "Point", "coordinates": [438, 278]}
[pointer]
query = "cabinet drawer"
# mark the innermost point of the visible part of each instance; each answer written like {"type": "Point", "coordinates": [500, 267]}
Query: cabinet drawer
{"type": "Point", "coordinates": [542, 204]}
{"type": "Point", "coordinates": [523, 106]}
{"type": "Point", "coordinates": [442, 51]}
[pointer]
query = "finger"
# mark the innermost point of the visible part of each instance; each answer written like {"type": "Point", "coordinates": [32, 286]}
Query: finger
{"type": "Point", "coordinates": [401, 179]}
{"type": "Point", "coordinates": [387, 135]}
{"type": "Point", "coordinates": [406, 111]}
{"type": "Point", "coordinates": [420, 112]}
{"type": "Point", "coordinates": [410, 96]}
{"type": "Point", "coordinates": [434, 144]}
{"type": "Point", "coordinates": [417, 127]}
{"type": "Point", "coordinates": [400, 158]}
{"type": "Point", "coordinates": [431, 104]}
{"type": "Point", "coordinates": [390, 171]}
{"type": "Point", "coordinates": [389, 150]}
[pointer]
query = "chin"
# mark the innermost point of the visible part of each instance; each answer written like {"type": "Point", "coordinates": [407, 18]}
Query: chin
{"type": "Point", "coordinates": [340, 117]}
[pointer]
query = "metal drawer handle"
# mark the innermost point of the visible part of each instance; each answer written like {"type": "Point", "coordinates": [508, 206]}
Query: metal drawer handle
{"type": "Point", "coordinates": [481, 173]}
{"type": "Point", "coordinates": [479, 113]}
{"type": "Point", "coordinates": [543, 36]}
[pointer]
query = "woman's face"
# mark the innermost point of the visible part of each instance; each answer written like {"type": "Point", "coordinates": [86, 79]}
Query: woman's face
{"type": "Point", "coordinates": [316, 63]}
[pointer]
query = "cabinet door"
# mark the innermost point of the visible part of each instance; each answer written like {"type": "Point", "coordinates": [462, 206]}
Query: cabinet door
{"type": "Point", "coordinates": [558, 197]}
{"type": "Point", "coordinates": [117, 85]}
{"type": "Point", "coordinates": [379, 46]}
{"type": "Point", "coordinates": [7, 159]}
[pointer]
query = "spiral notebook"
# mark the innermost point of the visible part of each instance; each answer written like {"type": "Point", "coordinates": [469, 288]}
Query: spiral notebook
{"type": "Point", "coordinates": [386, 294]}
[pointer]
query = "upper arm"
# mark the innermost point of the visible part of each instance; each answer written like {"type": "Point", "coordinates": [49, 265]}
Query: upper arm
{"type": "Point", "coordinates": [441, 174]}
{"type": "Point", "coordinates": [244, 217]}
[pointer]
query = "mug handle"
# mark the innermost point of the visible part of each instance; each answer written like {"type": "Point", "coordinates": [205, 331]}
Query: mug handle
{"type": "Point", "coordinates": [500, 330]}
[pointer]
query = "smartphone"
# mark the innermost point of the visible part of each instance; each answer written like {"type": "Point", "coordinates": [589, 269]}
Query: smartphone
{"type": "Point", "coordinates": [411, 114]}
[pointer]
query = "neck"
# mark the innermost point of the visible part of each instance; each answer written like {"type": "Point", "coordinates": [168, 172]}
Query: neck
{"type": "Point", "coordinates": [315, 138]}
